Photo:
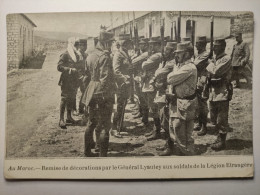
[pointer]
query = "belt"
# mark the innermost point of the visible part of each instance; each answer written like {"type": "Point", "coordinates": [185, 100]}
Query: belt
{"type": "Point", "coordinates": [190, 97]}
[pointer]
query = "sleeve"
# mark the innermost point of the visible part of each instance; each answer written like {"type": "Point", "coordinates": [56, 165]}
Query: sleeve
{"type": "Point", "coordinates": [177, 77]}
{"type": "Point", "coordinates": [163, 72]}
{"type": "Point", "coordinates": [62, 64]}
{"type": "Point", "coordinates": [106, 72]}
{"type": "Point", "coordinates": [117, 61]}
{"type": "Point", "coordinates": [202, 61]}
{"type": "Point", "coordinates": [244, 60]}
{"type": "Point", "coordinates": [222, 66]}
{"type": "Point", "coordinates": [140, 59]}
{"type": "Point", "coordinates": [151, 62]}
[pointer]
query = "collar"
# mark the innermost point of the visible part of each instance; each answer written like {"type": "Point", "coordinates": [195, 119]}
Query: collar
{"type": "Point", "coordinates": [220, 55]}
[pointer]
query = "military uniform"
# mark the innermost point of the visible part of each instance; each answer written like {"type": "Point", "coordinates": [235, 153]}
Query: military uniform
{"type": "Point", "coordinates": [183, 79]}
{"type": "Point", "coordinates": [99, 97]}
{"type": "Point", "coordinates": [239, 59]}
{"type": "Point", "coordinates": [122, 69]}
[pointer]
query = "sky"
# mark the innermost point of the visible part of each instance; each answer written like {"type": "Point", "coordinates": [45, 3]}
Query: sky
{"type": "Point", "coordinates": [86, 23]}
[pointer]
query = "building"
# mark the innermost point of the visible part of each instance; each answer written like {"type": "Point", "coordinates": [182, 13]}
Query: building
{"type": "Point", "coordinates": [200, 23]}
{"type": "Point", "coordinates": [19, 39]}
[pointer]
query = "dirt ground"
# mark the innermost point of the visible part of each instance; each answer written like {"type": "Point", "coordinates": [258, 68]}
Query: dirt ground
{"type": "Point", "coordinates": [33, 114]}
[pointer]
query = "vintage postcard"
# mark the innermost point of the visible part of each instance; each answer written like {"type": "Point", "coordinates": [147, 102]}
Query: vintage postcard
{"type": "Point", "coordinates": [129, 95]}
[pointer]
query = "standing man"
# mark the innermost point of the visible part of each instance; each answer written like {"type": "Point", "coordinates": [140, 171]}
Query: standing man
{"type": "Point", "coordinates": [201, 62]}
{"type": "Point", "coordinates": [99, 95]}
{"type": "Point", "coordinates": [183, 79]}
{"type": "Point", "coordinates": [123, 70]}
{"type": "Point", "coordinates": [239, 59]}
{"type": "Point", "coordinates": [149, 67]}
{"type": "Point", "coordinates": [220, 91]}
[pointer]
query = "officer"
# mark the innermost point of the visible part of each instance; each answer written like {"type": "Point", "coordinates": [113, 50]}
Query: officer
{"type": "Point", "coordinates": [137, 64]}
{"type": "Point", "coordinates": [220, 91]}
{"type": "Point", "coordinates": [67, 65]}
{"type": "Point", "coordinates": [183, 79]}
{"type": "Point", "coordinates": [99, 95]}
{"type": "Point", "coordinates": [123, 70]}
{"type": "Point", "coordinates": [201, 62]}
{"type": "Point", "coordinates": [149, 67]}
{"type": "Point", "coordinates": [239, 59]}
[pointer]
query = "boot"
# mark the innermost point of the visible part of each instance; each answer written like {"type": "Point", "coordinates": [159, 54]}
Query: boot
{"type": "Point", "coordinates": [169, 150]}
{"type": "Point", "coordinates": [69, 119]}
{"type": "Point", "coordinates": [221, 143]}
{"type": "Point", "coordinates": [203, 130]}
{"type": "Point", "coordinates": [104, 142]}
{"type": "Point", "coordinates": [197, 127]}
{"type": "Point", "coordinates": [62, 124]}
{"type": "Point", "coordinates": [156, 134]}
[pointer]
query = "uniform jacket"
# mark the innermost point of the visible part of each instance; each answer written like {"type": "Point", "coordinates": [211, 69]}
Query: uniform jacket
{"type": "Point", "coordinates": [201, 63]}
{"type": "Point", "coordinates": [99, 75]}
{"type": "Point", "coordinates": [68, 79]}
{"type": "Point", "coordinates": [220, 70]}
{"type": "Point", "coordinates": [121, 65]}
{"type": "Point", "coordinates": [183, 78]}
{"type": "Point", "coordinates": [240, 54]}
{"type": "Point", "coordinates": [149, 67]}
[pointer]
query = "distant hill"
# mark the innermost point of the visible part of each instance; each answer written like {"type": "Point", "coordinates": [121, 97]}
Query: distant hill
{"type": "Point", "coordinates": [56, 36]}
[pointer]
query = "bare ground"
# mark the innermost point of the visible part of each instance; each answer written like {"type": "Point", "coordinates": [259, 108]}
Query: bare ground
{"type": "Point", "coordinates": [33, 115]}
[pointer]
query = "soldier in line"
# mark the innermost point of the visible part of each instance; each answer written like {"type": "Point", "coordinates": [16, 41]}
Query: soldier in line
{"type": "Point", "coordinates": [99, 95]}
{"type": "Point", "coordinates": [137, 64]}
{"type": "Point", "coordinates": [220, 91]}
{"type": "Point", "coordinates": [183, 79]}
{"type": "Point", "coordinates": [201, 62]}
{"type": "Point", "coordinates": [161, 85]}
{"type": "Point", "coordinates": [149, 67]}
{"type": "Point", "coordinates": [239, 59]}
{"type": "Point", "coordinates": [67, 65]}
{"type": "Point", "coordinates": [122, 70]}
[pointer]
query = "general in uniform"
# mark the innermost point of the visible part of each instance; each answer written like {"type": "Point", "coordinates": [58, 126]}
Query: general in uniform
{"type": "Point", "coordinates": [183, 79]}
{"type": "Point", "coordinates": [99, 95]}
{"type": "Point", "coordinates": [239, 59]}
{"type": "Point", "coordinates": [220, 91]}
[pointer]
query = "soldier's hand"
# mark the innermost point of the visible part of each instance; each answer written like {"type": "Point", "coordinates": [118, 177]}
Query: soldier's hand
{"type": "Point", "coordinates": [74, 70]}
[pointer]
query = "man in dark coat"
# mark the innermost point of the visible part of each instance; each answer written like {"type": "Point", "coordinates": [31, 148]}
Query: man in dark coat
{"type": "Point", "coordinates": [67, 65]}
{"type": "Point", "coordinates": [123, 70]}
{"type": "Point", "coordinates": [99, 95]}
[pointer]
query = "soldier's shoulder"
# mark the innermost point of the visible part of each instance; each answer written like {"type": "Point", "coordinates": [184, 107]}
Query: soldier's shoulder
{"type": "Point", "coordinates": [156, 56]}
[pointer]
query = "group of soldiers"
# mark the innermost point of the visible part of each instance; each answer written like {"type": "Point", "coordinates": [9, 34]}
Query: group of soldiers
{"type": "Point", "coordinates": [173, 86]}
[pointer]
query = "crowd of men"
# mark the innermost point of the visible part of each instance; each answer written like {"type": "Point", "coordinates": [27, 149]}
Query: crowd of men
{"type": "Point", "coordinates": [173, 86]}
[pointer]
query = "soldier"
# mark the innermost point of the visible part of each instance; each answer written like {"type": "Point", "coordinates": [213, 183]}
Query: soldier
{"type": "Point", "coordinates": [239, 59]}
{"type": "Point", "coordinates": [161, 85]}
{"type": "Point", "coordinates": [183, 79]}
{"type": "Point", "coordinates": [99, 95]}
{"type": "Point", "coordinates": [81, 71]}
{"type": "Point", "coordinates": [123, 70]}
{"type": "Point", "coordinates": [220, 91]}
{"type": "Point", "coordinates": [149, 67]}
{"type": "Point", "coordinates": [201, 62]}
{"type": "Point", "coordinates": [67, 65]}
{"type": "Point", "coordinates": [137, 64]}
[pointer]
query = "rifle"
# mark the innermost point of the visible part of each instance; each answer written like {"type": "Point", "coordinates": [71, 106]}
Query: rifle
{"type": "Point", "coordinates": [179, 28]}
{"type": "Point", "coordinates": [175, 32]}
{"type": "Point", "coordinates": [162, 36]}
{"type": "Point", "coordinates": [171, 31]}
{"type": "Point", "coordinates": [150, 35]}
{"type": "Point", "coordinates": [211, 36]}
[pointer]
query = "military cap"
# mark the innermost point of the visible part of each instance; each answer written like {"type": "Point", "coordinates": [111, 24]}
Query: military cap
{"type": "Point", "coordinates": [143, 41]}
{"type": "Point", "coordinates": [182, 47]}
{"type": "Point", "coordinates": [168, 38]}
{"type": "Point", "coordinates": [171, 45]}
{"type": "Point", "coordinates": [141, 37]}
{"type": "Point", "coordinates": [124, 37]}
{"type": "Point", "coordinates": [106, 36]}
{"type": "Point", "coordinates": [184, 39]}
{"type": "Point", "coordinates": [83, 41]}
{"type": "Point", "coordinates": [201, 39]}
{"type": "Point", "coordinates": [219, 41]}
{"type": "Point", "coordinates": [155, 40]}
{"type": "Point", "coordinates": [238, 34]}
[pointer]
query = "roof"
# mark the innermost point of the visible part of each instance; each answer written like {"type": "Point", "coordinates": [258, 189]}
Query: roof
{"type": "Point", "coordinates": [29, 20]}
{"type": "Point", "coordinates": [203, 13]}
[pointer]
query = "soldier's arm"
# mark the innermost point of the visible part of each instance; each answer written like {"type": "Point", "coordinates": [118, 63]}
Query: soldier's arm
{"type": "Point", "coordinates": [202, 61]}
{"type": "Point", "coordinates": [152, 61]}
{"type": "Point", "coordinates": [244, 61]}
{"type": "Point", "coordinates": [117, 61]}
{"type": "Point", "coordinates": [161, 73]}
{"type": "Point", "coordinates": [140, 59]}
{"type": "Point", "coordinates": [62, 64]}
{"type": "Point", "coordinates": [177, 77]}
{"type": "Point", "coordinates": [106, 72]}
{"type": "Point", "coordinates": [222, 67]}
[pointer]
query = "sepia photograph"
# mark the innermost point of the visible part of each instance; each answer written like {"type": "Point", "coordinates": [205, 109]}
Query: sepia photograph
{"type": "Point", "coordinates": [130, 86]}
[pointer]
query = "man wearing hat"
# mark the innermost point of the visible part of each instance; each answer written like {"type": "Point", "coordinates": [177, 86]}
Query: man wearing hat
{"type": "Point", "coordinates": [99, 94]}
{"type": "Point", "coordinates": [149, 67]}
{"type": "Point", "coordinates": [123, 69]}
{"type": "Point", "coordinates": [183, 79]}
{"type": "Point", "coordinates": [201, 62]}
{"type": "Point", "coordinates": [162, 89]}
{"type": "Point", "coordinates": [220, 91]}
{"type": "Point", "coordinates": [137, 64]}
{"type": "Point", "coordinates": [239, 59]}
